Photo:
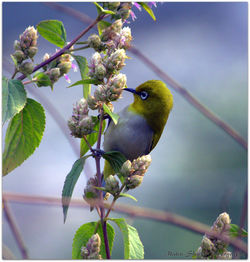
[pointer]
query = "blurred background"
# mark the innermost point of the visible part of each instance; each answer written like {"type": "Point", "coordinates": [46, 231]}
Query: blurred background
{"type": "Point", "coordinates": [197, 171]}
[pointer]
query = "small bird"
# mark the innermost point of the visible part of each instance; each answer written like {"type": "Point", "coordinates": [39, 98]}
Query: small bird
{"type": "Point", "coordinates": [140, 124]}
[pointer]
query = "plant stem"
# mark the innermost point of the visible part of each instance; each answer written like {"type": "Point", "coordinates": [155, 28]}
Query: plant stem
{"type": "Point", "coordinates": [99, 177]}
{"type": "Point", "coordinates": [67, 47]}
{"type": "Point", "coordinates": [88, 144]}
{"type": "Point", "coordinates": [77, 49]}
{"type": "Point", "coordinates": [14, 74]}
{"type": "Point", "coordinates": [15, 230]}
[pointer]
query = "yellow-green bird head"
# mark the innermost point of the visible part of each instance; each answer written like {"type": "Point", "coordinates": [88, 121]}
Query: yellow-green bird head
{"type": "Point", "coordinates": [140, 124]}
{"type": "Point", "coordinates": [154, 101]}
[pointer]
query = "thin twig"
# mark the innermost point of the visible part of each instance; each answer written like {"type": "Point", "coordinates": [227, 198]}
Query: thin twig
{"type": "Point", "coordinates": [99, 177]}
{"type": "Point", "coordinates": [14, 74]}
{"type": "Point", "coordinates": [67, 47]}
{"type": "Point", "coordinates": [15, 230]}
{"type": "Point", "coordinates": [135, 211]}
{"type": "Point", "coordinates": [177, 87]}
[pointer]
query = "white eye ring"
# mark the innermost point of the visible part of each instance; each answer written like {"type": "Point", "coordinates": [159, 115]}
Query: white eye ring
{"type": "Point", "coordinates": [144, 95]}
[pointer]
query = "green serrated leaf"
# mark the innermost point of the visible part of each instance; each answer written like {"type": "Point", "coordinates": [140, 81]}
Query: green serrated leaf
{"type": "Point", "coordinates": [83, 67]}
{"type": "Point", "coordinates": [114, 116]}
{"type": "Point", "coordinates": [102, 25]}
{"type": "Point", "coordinates": [70, 182]}
{"type": "Point", "coordinates": [128, 195]}
{"type": "Point", "coordinates": [13, 98]}
{"type": "Point", "coordinates": [92, 138]}
{"type": "Point", "coordinates": [42, 79]}
{"type": "Point", "coordinates": [23, 135]}
{"type": "Point", "coordinates": [53, 31]}
{"type": "Point", "coordinates": [115, 158]}
{"type": "Point", "coordinates": [148, 9]}
{"type": "Point", "coordinates": [85, 232]}
{"type": "Point", "coordinates": [133, 247]}
{"type": "Point", "coordinates": [85, 81]}
{"type": "Point", "coordinates": [236, 231]}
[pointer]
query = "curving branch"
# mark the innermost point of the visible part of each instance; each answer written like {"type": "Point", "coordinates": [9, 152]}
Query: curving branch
{"type": "Point", "coordinates": [134, 211]}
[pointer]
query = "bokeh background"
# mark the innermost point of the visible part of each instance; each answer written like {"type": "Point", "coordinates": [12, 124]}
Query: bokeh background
{"type": "Point", "coordinates": [198, 171]}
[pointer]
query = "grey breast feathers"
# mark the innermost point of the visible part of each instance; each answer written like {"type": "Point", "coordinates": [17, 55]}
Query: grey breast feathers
{"type": "Point", "coordinates": [132, 136]}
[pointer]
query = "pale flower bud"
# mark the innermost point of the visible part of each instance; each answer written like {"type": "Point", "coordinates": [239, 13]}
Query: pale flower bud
{"type": "Point", "coordinates": [125, 37]}
{"type": "Point", "coordinates": [54, 74]}
{"type": "Point", "coordinates": [100, 72]}
{"type": "Point", "coordinates": [92, 249]}
{"type": "Point", "coordinates": [46, 57]}
{"type": "Point", "coordinates": [28, 37]}
{"type": "Point", "coordinates": [95, 42]}
{"type": "Point", "coordinates": [26, 68]}
{"type": "Point", "coordinates": [112, 185]}
{"type": "Point", "coordinates": [96, 59]}
{"type": "Point", "coordinates": [31, 51]}
{"type": "Point", "coordinates": [17, 45]}
{"type": "Point", "coordinates": [90, 192]}
{"type": "Point", "coordinates": [119, 81]}
{"type": "Point", "coordinates": [80, 110]}
{"type": "Point", "coordinates": [19, 56]}
{"type": "Point", "coordinates": [100, 93]}
{"type": "Point", "coordinates": [207, 247]}
{"type": "Point", "coordinates": [64, 67]}
{"type": "Point", "coordinates": [116, 60]}
{"type": "Point", "coordinates": [126, 168]}
{"type": "Point", "coordinates": [141, 164]}
{"type": "Point", "coordinates": [133, 181]}
{"type": "Point", "coordinates": [113, 5]}
{"type": "Point", "coordinates": [92, 103]}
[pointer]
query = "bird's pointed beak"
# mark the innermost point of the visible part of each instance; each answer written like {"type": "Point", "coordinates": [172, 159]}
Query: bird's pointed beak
{"type": "Point", "coordinates": [131, 90]}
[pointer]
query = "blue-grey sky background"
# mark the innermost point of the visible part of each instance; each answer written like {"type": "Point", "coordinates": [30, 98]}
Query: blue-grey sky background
{"type": "Point", "coordinates": [197, 170]}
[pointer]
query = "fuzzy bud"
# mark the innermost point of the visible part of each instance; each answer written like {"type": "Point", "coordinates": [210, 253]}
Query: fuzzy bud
{"type": "Point", "coordinates": [207, 247]}
{"type": "Point", "coordinates": [113, 5]}
{"type": "Point", "coordinates": [100, 93]}
{"type": "Point", "coordinates": [116, 60]}
{"type": "Point", "coordinates": [112, 185]}
{"type": "Point", "coordinates": [31, 51]}
{"type": "Point", "coordinates": [133, 181]}
{"type": "Point", "coordinates": [126, 168]}
{"type": "Point", "coordinates": [92, 249]}
{"type": "Point", "coordinates": [82, 127]}
{"type": "Point", "coordinates": [95, 42]}
{"type": "Point", "coordinates": [17, 45]}
{"type": "Point", "coordinates": [80, 110]}
{"type": "Point", "coordinates": [100, 72]}
{"type": "Point", "coordinates": [19, 56]}
{"type": "Point", "coordinates": [125, 37]}
{"type": "Point", "coordinates": [46, 57]}
{"type": "Point", "coordinates": [119, 81]}
{"type": "Point", "coordinates": [64, 67]}
{"type": "Point", "coordinates": [54, 74]}
{"type": "Point", "coordinates": [90, 192]}
{"type": "Point", "coordinates": [141, 164]}
{"type": "Point", "coordinates": [222, 223]}
{"type": "Point", "coordinates": [28, 37]}
{"type": "Point", "coordinates": [92, 102]}
{"type": "Point", "coordinates": [26, 68]}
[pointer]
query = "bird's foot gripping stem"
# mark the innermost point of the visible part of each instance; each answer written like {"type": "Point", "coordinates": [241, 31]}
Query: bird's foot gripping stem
{"type": "Point", "coordinates": [97, 152]}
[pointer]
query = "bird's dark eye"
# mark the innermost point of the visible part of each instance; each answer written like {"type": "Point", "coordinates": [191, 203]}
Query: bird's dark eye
{"type": "Point", "coordinates": [144, 95]}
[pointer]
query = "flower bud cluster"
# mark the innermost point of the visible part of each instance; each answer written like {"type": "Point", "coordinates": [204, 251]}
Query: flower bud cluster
{"type": "Point", "coordinates": [92, 249]}
{"type": "Point", "coordinates": [134, 172]}
{"type": "Point", "coordinates": [58, 67]}
{"type": "Point", "coordinates": [108, 93]}
{"type": "Point", "coordinates": [213, 248]}
{"type": "Point", "coordinates": [24, 49]}
{"type": "Point", "coordinates": [80, 124]}
{"type": "Point", "coordinates": [90, 191]}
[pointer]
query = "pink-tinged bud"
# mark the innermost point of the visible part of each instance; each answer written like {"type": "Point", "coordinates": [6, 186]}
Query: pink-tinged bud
{"type": "Point", "coordinates": [133, 181]}
{"type": "Point", "coordinates": [92, 249]}
{"type": "Point", "coordinates": [81, 108]}
{"type": "Point", "coordinates": [28, 37]}
{"type": "Point", "coordinates": [116, 60]}
{"type": "Point", "coordinates": [26, 68]}
{"type": "Point", "coordinates": [96, 59]}
{"type": "Point", "coordinates": [100, 93]}
{"type": "Point", "coordinates": [119, 81]}
{"type": "Point", "coordinates": [125, 37]}
{"type": "Point", "coordinates": [141, 164]}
